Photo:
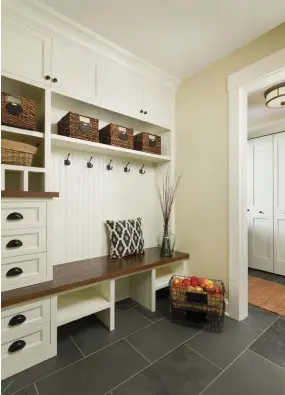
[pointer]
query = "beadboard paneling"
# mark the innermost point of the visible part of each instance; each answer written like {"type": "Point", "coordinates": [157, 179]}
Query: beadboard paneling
{"type": "Point", "coordinates": [88, 197]}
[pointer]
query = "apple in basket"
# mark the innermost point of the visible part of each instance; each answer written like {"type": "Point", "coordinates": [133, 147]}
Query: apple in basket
{"type": "Point", "coordinates": [195, 282]}
{"type": "Point", "coordinates": [186, 282]}
{"type": "Point", "coordinates": [176, 282]}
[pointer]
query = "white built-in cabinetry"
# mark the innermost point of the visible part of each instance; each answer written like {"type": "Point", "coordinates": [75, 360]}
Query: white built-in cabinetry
{"type": "Point", "coordinates": [266, 203]}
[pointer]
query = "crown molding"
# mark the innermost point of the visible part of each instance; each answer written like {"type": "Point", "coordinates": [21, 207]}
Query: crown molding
{"type": "Point", "coordinates": [40, 16]}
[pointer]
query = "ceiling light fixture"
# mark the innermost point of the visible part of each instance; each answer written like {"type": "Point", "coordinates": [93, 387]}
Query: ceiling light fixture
{"type": "Point", "coordinates": [275, 96]}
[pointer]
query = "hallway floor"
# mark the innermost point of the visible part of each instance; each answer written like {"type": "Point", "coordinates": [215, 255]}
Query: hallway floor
{"type": "Point", "coordinates": [149, 355]}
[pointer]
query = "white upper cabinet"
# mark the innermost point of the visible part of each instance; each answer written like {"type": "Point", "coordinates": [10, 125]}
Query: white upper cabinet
{"type": "Point", "coordinates": [158, 104]}
{"type": "Point", "coordinates": [75, 71]}
{"type": "Point", "coordinates": [25, 51]}
{"type": "Point", "coordinates": [122, 90]}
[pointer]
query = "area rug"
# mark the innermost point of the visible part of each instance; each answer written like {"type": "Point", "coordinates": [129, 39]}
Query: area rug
{"type": "Point", "coordinates": [266, 294]}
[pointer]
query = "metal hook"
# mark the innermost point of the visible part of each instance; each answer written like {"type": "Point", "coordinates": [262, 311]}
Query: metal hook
{"type": "Point", "coordinates": [89, 164]}
{"type": "Point", "coordinates": [141, 170]}
{"type": "Point", "coordinates": [67, 161]}
{"type": "Point", "coordinates": [109, 167]}
{"type": "Point", "coordinates": [126, 170]}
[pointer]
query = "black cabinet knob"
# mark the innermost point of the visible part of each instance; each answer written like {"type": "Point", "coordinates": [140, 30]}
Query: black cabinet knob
{"type": "Point", "coordinates": [17, 320]}
{"type": "Point", "coordinates": [54, 80]}
{"type": "Point", "coordinates": [261, 212]}
{"type": "Point", "coordinates": [141, 111]}
{"type": "Point", "coordinates": [17, 346]}
{"type": "Point", "coordinates": [145, 112]}
{"type": "Point", "coordinates": [14, 217]}
{"type": "Point", "coordinates": [15, 271]}
{"type": "Point", "coordinates": [47, 77]}
{"type": "Point", "coordinates": [14, 244]}
{"type": "Point", "coordinates": [248, 209]}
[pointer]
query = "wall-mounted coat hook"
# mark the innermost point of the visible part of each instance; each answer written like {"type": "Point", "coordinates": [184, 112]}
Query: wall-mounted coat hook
{"type": "Point", "coordinates": [89, 164]}
{"type": "Point", "coordinates": [109, 167]}
{"type": "Point", "coordinates": [67, 161]}
{"type": "Point", "coordinates": [126, 169]}
{"type": "Point", "coordinates": [142, 171]}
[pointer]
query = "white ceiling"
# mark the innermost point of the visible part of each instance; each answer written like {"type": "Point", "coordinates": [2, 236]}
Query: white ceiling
{"type": "Point", "coordinates": [257, 110]}
{"type": "Point", "coordinates": [180, 37]}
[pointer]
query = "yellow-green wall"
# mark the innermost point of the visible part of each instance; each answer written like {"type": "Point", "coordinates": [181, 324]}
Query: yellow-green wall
{"type": "Point", "coordinates": [202, 155]}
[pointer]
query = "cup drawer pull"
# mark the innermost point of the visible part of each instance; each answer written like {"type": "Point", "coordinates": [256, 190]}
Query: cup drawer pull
{"type": "Point", "coordinates": [17, 346]}
{"type": "Point", "coordinates": [14, 244]}
{"type": "Point", "coordinates": [15, 217]}
{"type": "Point", "coordinates": [15, 271]}
{"type": "Point", "coordinates": [17, 320]}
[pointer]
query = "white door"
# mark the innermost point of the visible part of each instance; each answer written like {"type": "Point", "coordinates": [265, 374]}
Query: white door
{"type": "Point", "coordinates": [25, 51]}
{"type": "Point", "coordinates": [76, 71]}
{"type": "Point", "coordinates": [122, 91]}
{"type": "Point", "coordinates": [261, 206]}
{"type": "Point", "coordinates": [158, 104]}
{"type": "Point", "coordinates": [279, 203]}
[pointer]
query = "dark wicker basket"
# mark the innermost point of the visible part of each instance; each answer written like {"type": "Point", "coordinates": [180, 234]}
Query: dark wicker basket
{"type": "Point", "coordinates": [18, 112]}
{"type": "Point", "coordinates": [117, 135]}
{"type": "Point", "coordinates": [16, 153]}
{"type": "Point", "coordinates": [79, 127]}
{"type": "Point", "coordinates": [147, 143]}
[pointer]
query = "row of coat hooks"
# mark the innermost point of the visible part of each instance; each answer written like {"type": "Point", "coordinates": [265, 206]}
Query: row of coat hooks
{"type": "Point", "coordinates": [109, 167]}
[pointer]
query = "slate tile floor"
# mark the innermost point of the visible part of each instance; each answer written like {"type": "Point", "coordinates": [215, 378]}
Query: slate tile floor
{"type": "Point", "coordinates": [149, 355]}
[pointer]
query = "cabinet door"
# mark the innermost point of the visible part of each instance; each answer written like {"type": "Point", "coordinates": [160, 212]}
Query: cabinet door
{"type": "Point", "coordinates": [122, 91]}
{"type": "Point", "coordinates": [25, 51]}
{"type": "Point", "coordinates": [279, 203]}
{"type": "Point", "coordinates": [260, 246]}
{"type": "Point", "coordinates": [158, 103]}
{"type": "Point", "coordinates": [76, 70]}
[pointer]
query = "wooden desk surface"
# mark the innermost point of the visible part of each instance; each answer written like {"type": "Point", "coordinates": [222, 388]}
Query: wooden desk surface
{"type": "Point", "coordinates": [89, 271]}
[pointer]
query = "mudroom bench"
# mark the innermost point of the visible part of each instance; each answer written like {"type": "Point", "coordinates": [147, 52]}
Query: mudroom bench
{"type": "Point", "coordinates": [31, 315]}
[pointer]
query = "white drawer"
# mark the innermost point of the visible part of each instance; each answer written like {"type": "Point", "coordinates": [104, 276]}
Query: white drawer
{"type": "Point", "coordinates": [21, 271]}
{"type": "Point", "coordinates": [20, 215]}
{"type": "Point", "coordinates": [17, 321]}
{"type": "Point", "coordinates": [36, 348]}
{"type": "Point", "coordinates": [23, 241]}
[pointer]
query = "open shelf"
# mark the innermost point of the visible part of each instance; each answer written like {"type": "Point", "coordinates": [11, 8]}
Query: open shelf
{"type": "Point", "coordinates": [78, 304]}
{"type": "Point", "coordinates": [22, 132]}
{"type": "Point", "coordinates": [24, 168]}
{"type": "Point", "coordinates": [103, 149]}
{"type": "Point", "coordinates": [164, 274]}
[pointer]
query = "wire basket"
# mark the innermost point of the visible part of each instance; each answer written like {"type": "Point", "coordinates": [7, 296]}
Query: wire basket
{"type": "Point", "coordinates": [201, 305]}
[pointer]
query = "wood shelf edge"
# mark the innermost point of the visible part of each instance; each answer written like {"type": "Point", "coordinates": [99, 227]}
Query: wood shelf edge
{"type": "Point", "coordinates": [27, 194]}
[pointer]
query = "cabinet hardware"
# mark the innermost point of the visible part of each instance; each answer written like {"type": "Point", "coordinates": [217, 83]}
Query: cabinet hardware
{"type": "Point", "coordinates": [17, 346]}
{"type": "Point", "coordinates": [145, 112]}
{"type": "Point", "coordinates": [14, 243]}
{"type": "Point", "coordinates": [89, 164]}
{"type": "Point", "coordinates": [247, 209]}
{"type": "Point", "coordinates": [67, 161]}
{"type": "Point", "coordinates": [15, 271]}
{"type": "Point", "coordinates": [54, 80]}
{"type": "Point", "coordinates": [126, 169]}
{"type": "Point", "coordinates": [142, 171]}
{"type": "Point", "coordinates": [261, 212]}
{"type": "Point", "coordinates": [14, 216]}
{"type": "Point", "coordinates": [141, 111]}
{"type": "Point", "coordinates": [17, 320]}
{"type": "Point", "coordinates": [47, 77]}
{"type": "Point", "coordinates": [109, 167]}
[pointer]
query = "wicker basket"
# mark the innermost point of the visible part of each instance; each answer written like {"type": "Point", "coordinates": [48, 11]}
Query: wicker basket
{"type": "Point", "coordinates": [79, 127]}
{"type": "Point", "coordinates": [16, 153]}
{"type": "Point", "coordinates": [18, 112]}
{"type": "Point", "coordinates": [117, 135]}
{"type": "Point", "coordinates": [147, 143]}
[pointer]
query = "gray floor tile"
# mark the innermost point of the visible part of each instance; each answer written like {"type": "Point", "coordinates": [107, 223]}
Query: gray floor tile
{"type": "Point", "coordinates": [264, 275]}
{"type": "Point", "coordinates": [182, 372]}
{"type": "Point", "coordinates": [161, 337]}
{"type": "Point", "coordinates": [222, 348]}
{"type": "Point", "coordinates": [282, 280]}
{"type": "Point", "coordinates": [152, 316]}
{"type": "Point", "coordinates": [271, 343]}
{"type": "Point", "coordinates": [250, 374]}
{"type": "Point", "coordinates": [30, 390]}
{"type": "Point", "coordinates": [125, 304]}
{"type": "Point", "coordinates": [91, 335]}
{"type": "Point", "coordinates": [259, 318]}
{"type": "Point", "coordinates": [97, 374]}
{"type": "Point", "coordinates": [67, 354]}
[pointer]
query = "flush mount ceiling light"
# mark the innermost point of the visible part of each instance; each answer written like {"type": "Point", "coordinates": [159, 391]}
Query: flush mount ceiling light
{"type": "Point", "coordinates": [275, 96]}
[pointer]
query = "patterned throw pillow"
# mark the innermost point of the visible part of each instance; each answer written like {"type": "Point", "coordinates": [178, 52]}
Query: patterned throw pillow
{"type": "Point", "coordinates": [126, 237]}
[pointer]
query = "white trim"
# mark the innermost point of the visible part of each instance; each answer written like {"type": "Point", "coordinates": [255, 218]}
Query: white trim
{"type": "Point", "coordinates": [254, 77]}
{"type": "Point", "coordinates": [270, 127]}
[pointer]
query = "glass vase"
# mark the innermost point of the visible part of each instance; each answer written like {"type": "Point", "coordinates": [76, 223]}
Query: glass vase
{"type": "Point", "coordinates": [166, 243]}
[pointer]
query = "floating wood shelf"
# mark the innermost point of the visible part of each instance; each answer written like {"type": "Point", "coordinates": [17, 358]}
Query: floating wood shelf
{"type": "Point", "coordinates": [104, 149]}
{"type": "Point", "coordinates": [27, 194]}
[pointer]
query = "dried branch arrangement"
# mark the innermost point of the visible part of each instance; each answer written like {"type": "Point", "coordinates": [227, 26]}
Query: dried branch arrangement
{"type": "Point", "coordinates": [166, 195]}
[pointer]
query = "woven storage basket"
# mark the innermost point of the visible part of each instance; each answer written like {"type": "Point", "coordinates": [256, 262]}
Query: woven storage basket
{"type": "Point", "coordinates": [117, 135]}
{"type": "Point", "coordinates": [79, 127]}
{"type": "Point", "coordinates": [16, 153]}
{"type": "Point", "coordinates": [18, 112]}
{"type": "Point", "coordinates": [147, 143]}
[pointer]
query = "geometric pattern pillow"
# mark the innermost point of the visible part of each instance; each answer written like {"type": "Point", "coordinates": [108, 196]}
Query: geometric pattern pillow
{"type": "Point", "coordinates": [126, 237]}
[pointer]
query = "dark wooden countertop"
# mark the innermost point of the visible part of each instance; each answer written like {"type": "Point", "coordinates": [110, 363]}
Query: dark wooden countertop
{"type": "Point", "coordinates": [89, 271]}
{"type": "Point", "coordinates": [27, 194]}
